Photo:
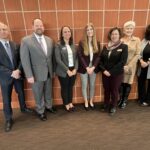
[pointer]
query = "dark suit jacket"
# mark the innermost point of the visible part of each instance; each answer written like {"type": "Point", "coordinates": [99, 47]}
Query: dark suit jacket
{"type": "Point", "coordinates": [61, 57]}
{"type": "Point", "coordinates": [5, 63]}
{"type": "Point", "coordinates": [84, 60]}
{"type": "Point", "coordinates": [116, 61]}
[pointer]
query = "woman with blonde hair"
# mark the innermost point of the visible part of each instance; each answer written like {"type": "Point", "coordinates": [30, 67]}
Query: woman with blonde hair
{"type": "Point", "coordinates": [130, 67]}
{"type": "Point", "coordinates": [88, 55]}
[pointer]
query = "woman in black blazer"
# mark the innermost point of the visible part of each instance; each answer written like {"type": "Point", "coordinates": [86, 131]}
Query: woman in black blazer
{"type": "Point", "coordinates": [112, 60]}
{"type": "Point", "coordinates": [144, 70]}
{"type": "Point", "coordinates": [66, 66]}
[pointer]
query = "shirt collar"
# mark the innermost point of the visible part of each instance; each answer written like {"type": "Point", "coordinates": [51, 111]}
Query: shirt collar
{"type": "Point", "coordinates": [37, 36]}
{"type": "Point", "coordinates": [3, 41]}
{"type": "Point", "coordinates": [133, 38]}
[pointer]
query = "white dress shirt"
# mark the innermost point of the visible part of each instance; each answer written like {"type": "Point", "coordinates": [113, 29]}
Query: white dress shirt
{"type": "Point", "coordinates": [70, 55]}
{"type": "Point", "coordinates": [91, 51]}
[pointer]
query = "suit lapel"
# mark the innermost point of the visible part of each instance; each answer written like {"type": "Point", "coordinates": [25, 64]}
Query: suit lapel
{"type": "Point", "coordinates": [2, 49]}
{"type": "Point", "coordinates": [64, 52]}
{"type": "Point", "coordinates": [35, 41]}
{"type": "Point", "coordinates": [48, 46]}
{"type": "Point", "coordinates": [12, 46]}
{"type": "Point", "coordinates": [73, 52]}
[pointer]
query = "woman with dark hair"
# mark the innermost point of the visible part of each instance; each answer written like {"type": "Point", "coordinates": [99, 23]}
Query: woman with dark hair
{"type": "Point", "coordinates": [144, 70]}
{"type": "Point", "coordinates": [112, 60]}
{"type": "Point", "coordinates": [130, 67]}
{"type": "Point", "coordinates": [88, 55]}
{"type": "Point", "coordinates": [66, 66]}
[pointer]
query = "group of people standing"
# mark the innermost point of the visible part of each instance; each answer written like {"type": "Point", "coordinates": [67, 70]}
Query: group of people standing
{"type": "Point", "coordinates": [38, 58]}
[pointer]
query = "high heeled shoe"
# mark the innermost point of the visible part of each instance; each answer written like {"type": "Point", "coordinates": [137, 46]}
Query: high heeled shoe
{"type": "Point", "coordinates": [86, 108]}
{"type": "Point", "coordinates": [67, 110]}
{"type": "Point", "coordinates": [73, 109]}
{"type": "Point", "coordinates": [92, 107]}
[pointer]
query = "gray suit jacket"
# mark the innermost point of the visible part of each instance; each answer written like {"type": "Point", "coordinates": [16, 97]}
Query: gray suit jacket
{"type": "Point", "coordinates": [35, 63]}
{"type": "Point", "coordinates": [61, 57]}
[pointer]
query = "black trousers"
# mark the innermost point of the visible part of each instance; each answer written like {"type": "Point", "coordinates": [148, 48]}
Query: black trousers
{"type": "Point", "coordinates": [143, 87]}
{"type": "Point", "coordinates": [6, 88]}
{"type": "Point", "coordinates": [111, 89]}
{"type": "Point", "coordinates": [67, 84]}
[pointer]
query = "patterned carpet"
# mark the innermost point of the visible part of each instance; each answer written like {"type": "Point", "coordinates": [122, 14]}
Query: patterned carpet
{"type": "Point", "coordinates": [128, 129]}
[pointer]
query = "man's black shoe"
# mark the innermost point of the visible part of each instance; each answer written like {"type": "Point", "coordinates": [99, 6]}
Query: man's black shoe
{"type": "Point", "coordinates": [8, 125]}
{"type": "Point", "coordinates": [27, 110]}
{"type": "Point", "coordinates": [42, 117]}
{"type": "Point", "coordinates": [112, 111]}
{"type": "Point", "coordinates": [51, 110]}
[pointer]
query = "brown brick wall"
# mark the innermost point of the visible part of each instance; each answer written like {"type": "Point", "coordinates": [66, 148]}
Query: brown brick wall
{"type": "Point", "coordinates": [105, 14]}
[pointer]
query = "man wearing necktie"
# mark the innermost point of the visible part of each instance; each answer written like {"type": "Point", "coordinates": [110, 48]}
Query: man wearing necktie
{"type": "Point", "coordinates": [36, 57]}
{"type": "Point", "coordinates": [10, 75]}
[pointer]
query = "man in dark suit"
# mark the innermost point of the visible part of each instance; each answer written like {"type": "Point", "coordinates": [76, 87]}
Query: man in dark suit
{"type": "Point", "coordinates": [10, 75]}
{"type": "Point", "coordinates": [36, 57]}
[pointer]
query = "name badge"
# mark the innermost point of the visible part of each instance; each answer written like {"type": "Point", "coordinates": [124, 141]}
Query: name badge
{"type": "Point", "coordinates": [64, 48]}
{"type": "Point", "coordinates": [119, 50]}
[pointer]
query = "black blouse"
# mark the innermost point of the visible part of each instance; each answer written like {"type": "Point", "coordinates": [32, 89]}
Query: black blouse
{"type": "Point", "coordinates": [146, 53]}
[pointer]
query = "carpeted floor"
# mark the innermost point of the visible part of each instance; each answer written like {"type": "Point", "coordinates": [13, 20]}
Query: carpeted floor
{"type": "Point", "coordinates": [128, 129]}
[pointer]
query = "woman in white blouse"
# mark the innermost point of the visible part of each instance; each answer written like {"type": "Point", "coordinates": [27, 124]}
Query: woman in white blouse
{"type": "Point", "coordinates": [66, 66]}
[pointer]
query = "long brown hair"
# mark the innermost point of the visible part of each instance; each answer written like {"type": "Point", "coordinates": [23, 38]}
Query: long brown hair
{"type": "Point", "coordinates": [62, 38]}
{"type": "Point", "coordinates": [85, 40]}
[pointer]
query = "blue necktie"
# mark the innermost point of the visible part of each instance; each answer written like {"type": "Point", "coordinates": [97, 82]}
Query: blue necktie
{"type": "Point", "coordinates": [9, 52]}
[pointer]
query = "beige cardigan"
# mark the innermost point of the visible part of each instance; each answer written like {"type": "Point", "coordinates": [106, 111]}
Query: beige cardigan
{"type": "Point", "coordinates": [134, 48]}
